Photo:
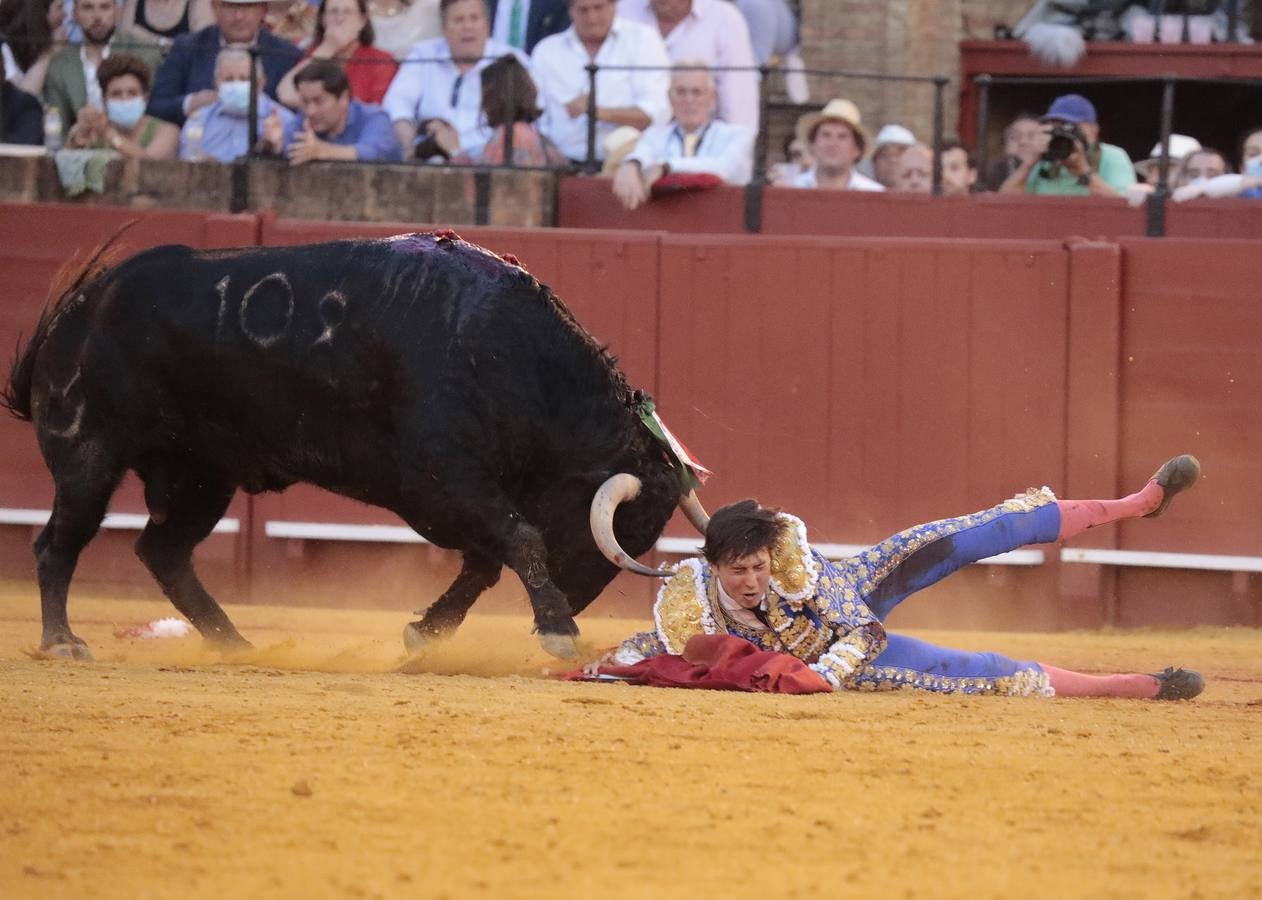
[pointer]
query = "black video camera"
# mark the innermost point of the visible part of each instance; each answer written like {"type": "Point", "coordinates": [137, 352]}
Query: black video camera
{"type": "Point", "coordinates": [1064, 138]}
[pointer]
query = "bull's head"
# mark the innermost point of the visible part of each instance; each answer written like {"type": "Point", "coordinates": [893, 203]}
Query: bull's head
{"type": "Point", "coordinates": [619, 489]}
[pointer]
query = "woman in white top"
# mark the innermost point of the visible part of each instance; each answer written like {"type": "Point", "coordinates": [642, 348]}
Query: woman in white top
{"type": "Point", "coordinates": [398, 24]}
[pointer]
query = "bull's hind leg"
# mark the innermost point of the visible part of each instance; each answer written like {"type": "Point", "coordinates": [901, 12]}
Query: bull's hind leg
{"type": "Point", "coordinates": [190, 511]}
{"type": "Point", "coordinates": [78, 508]}
{"type": "Point", "coordinates": [478, 573]}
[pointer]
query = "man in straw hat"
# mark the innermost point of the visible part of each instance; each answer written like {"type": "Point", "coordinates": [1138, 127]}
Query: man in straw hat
{"type": "Point", "coordinates": [838, 141]}
{"type": "Point", "coordinates": [185, 82]}
{"type": "Point", "coordinates": [760, 580]}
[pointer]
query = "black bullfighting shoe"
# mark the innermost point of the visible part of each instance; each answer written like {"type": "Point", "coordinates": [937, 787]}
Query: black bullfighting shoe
{"type": "Point", "coordinates": [1178, 684]}
{"type": "Point", "coordinates": [1176, 475]}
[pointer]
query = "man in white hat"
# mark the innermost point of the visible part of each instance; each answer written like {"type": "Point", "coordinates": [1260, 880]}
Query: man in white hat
{"type": "Point", "coordinates": [838, 141]}
{"type": "Point", "coordinates": [693, 141]}
{"type": "Point", "coordinates": [887, 148]}
{"type": "Point", "coordinates": [185, 82]}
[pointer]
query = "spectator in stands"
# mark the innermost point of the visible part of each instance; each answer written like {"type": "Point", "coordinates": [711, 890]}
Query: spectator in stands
{"type": "Point", "coordinates": [915, 170]}
{"type": "Point", "coordinates": [1023, 136]}
{"type": "Point", "coordinates": [165, 20]}
{"type": "Point", "coordinates": [838, 141]}
{"type": "Point", "coordinates": [399, 25]}
{"type": "Point", "coordinates": [334, 125]}
{"type": "Point", "coordinates": [1200, 165]}
{"type": "Point", "coordinates": [509, 99]}
{"type": "Point", "coordinates": [23, 116]}
{"type": "Point", "coordinates": [636, 98]}
{"type": "Point", "coordinates": [123, 82]}
{"type": "Point", "coordinates": [72, 72]}
{"type": "Point", "coordinates": [185, 82]}
{"type": "Point", "coordinates": [343, 32]}
{"type": "Point", "coordinates": [797, 159]}
{"type": "Point", "coordinates": [524, 23]}
{"type": "Point", "coordinates": [888, 146]}
{"type": "Point", "coordinates": [1247, 184]}
{"type": "Point", "coordinates": [959, 169]}
{"type": "Point", "coordinates": [1181, 145]}
{"type": "Point", "coordinates": [30, 31]}
{"type": "Point", "coordinates": [693, 142]}
{"type": "Point", "coordinates": [220, 130]}
{"type": "Point", "coordinates": [1075, 162]}
{"type": "Point", "coordinates": [712, 31]}
{"type": "Point", "coordinates": [441, 80]}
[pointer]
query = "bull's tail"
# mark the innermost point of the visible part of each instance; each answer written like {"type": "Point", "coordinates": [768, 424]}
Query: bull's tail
{"type": "Point", "coordinates": [16, 394]}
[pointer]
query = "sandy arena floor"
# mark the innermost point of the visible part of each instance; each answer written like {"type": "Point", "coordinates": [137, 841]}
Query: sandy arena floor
{"type": "Point", "coordinates": [311, 769]}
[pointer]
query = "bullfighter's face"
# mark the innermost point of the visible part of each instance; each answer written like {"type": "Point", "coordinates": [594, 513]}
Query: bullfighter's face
{"type": "Point", "coordinates": [745, 579]}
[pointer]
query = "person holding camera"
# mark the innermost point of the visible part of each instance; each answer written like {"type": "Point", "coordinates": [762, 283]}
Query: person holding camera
{"type": "Point", "coordinates": [1071, 162]}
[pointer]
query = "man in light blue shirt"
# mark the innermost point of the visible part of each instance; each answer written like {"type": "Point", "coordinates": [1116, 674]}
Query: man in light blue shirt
{"type": "Point", "coordinates": [692, 142]}
{"type": "Point", "coordinates": [220, 131]}
{"type": "Point", "coordinates": [334, 125]}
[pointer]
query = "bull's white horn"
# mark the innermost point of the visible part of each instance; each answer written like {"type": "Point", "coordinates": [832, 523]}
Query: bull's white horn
{"type": "Point", "coordinates": [694, 511]}
{"type": "Point", "coordinates": [618, 489]}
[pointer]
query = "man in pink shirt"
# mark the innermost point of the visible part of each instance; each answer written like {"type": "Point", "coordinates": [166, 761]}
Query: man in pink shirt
{"type": "Point", "coordinates": [715, 32]}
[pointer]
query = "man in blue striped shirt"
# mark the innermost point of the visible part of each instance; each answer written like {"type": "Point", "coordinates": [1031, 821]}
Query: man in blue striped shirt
{"type": "Point", "coordinates": [692, 142]}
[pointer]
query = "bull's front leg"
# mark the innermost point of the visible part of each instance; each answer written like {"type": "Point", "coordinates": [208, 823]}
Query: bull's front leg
{"type": "Point", "coordinates": [478, 573]}
{"type": "Point", "coordinates": [528, 557]}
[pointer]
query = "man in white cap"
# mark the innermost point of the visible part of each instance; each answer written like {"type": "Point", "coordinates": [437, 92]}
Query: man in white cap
{"type": "Point", "coordinates": [185, 82]}
{"type": "Point", "coordinates": [838, 141]}
{"type": "Point", "coordinates": [692, 142]}
{"type": "Point", "coordinates": [1180, 145]}
{"type": "Point", "coordinates": [888, 146]}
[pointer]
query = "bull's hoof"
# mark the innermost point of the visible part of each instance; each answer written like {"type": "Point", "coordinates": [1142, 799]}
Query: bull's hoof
{"type": "Point", "coordinates": [562, 646]}
{"type": "Point", "coordinates": [415, 640]}
{"type": "Point", "coordinates": [68, 650]}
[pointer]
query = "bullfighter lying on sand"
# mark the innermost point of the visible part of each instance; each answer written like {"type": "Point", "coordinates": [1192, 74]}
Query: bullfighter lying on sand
{"type": "Point", "coordinates": [762, 582]}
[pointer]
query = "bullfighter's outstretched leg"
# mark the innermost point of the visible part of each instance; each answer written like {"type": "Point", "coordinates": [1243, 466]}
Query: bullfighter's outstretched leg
{"type": "Point", "coordinates": [190, 511]}
{"type": "Point", "coordinates": [478, 573]}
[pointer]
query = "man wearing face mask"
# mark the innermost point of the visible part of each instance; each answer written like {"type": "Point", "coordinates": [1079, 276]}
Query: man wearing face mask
{"type": "Point", "coordinates": [71, 84]}
{"type": "Point", "coordinates": [185, 82]}
{"type": "Point", "coordinates": [220, 131]}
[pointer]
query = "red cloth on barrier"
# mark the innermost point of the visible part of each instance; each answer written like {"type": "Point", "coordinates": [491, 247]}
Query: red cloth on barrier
{"type": "Point", "coordinates": [720, 662]}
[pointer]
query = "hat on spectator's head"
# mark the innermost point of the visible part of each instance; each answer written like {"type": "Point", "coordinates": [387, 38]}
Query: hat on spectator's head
{"type": "Point", "coordinates": [837, 110]}
{"type": "Point", "coordinates": [1070, 108]}
{"type": "Point", "coordinates": [893, 134]}
{"type": "Point", "coordinates": [1180, 146]}
{"type": "Point", "coordinates": [618, 145]}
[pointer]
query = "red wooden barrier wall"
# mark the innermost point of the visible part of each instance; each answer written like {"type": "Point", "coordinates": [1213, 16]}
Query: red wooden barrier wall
{"type": "Point", "coordinates": [864, 384]}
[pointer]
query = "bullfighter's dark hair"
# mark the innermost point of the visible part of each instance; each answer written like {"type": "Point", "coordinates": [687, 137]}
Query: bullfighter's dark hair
{"type": "Point", "coordinates": [366, 34]}
{"type": "Point", "coordinates": [327, 72]}
{"type": "Point", "coordinates": [16, 395]}
{"type": "Point", "coordinates": [120, 64]}
{"type": "Point", "coordinates": [737, 530]}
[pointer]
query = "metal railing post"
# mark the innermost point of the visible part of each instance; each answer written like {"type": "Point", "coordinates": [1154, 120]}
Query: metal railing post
{"type": "Point", "coordinates": [590, 164]}
{"type": "Point", "coordinates": [1156, 205]}
{"type": "Point", "coordinates": [252, 115]}
{"type": "Point", "coordinates": [939, 126]}
{"type": "Point", "coordinates": [981, 141]}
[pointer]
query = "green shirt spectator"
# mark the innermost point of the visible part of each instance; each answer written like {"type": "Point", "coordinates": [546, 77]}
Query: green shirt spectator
{"type": "Point", "coordinates": [1113, 167]}
{"type": "Point", "coordinates": [1069, 160]}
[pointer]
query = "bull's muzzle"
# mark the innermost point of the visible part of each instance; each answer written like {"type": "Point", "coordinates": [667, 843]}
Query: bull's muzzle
{"type": "Point", "coordinates": [619, 489]}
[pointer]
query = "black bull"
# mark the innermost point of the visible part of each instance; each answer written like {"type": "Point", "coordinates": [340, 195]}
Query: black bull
{"type": "Point", "coordinates": [421, 374]}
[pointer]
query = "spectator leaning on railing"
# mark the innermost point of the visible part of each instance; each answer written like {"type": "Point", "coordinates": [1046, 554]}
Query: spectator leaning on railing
{"type": "Point", "coordinates": [838, 141]}
{"type": "Point", "coordinates": [634, 97]}
{"type": "Point", "coordinates": [72, 82]}
{"type": "Point", "coordinates": [715, 32]}
{"type": "Point", "coordinates": [1247, 184]}
{"type": "Point", "coordinates": [123, 126]}
{"type": "Point", "coordinates": [692, 143]}
{"type": "Point", "coordinates": [1072, 161]}
{"type": "Point", "coordinates": [334, 126]}
{"type": "Point", "coordinates": [220, 130]}
{"type": "Point", "coordinates": [440, 81]}
{"type": "Point", "coordinates": [185, 82]}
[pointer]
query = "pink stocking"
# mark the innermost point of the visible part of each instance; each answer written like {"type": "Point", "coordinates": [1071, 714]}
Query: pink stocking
{"type": "Point", "coordinates": [1076, 684]}
{"type": "Point", "coordinates": [1076, 516]}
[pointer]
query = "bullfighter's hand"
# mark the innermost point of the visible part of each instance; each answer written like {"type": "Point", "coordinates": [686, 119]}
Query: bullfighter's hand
{"type": "Point", "coordinates": [577, 106]}
{"type": "Point", "coordinates": [592, 669]}
{"type": "Point", "coordinates": [628, 185]}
